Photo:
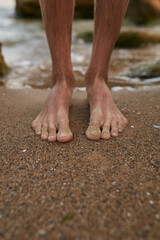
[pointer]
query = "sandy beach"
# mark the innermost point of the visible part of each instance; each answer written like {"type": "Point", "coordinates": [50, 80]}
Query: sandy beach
{"type": "Point", "coordinates": [83, 189]}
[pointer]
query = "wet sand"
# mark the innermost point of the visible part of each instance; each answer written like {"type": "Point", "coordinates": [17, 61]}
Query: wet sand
{"type": "Point", "coordinates": [83, 189]}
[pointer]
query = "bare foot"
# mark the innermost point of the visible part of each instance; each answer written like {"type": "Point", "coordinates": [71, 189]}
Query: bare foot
{"type": "Point", "coordinates": [54, 115]}
{"type": "Point", "coordinates": [103, 113]}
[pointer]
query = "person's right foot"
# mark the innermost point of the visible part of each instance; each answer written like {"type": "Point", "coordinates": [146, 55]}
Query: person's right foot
{"type": "Point", "coordinates": [53, 117]}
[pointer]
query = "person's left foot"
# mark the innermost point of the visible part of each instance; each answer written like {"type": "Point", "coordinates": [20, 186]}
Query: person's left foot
{"type": "Point", "coordinates": [103, 113]}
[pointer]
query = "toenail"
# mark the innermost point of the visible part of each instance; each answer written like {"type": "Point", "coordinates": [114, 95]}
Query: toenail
{"type": "Point", "coordinates": [115, 134]}
{"type": "Point", "coordinates": [51, 139]}
{"type": "Point", "coordinates": [51, 136]}
{"type": "Point", "coordinates": [44, 136]}
{"type": "Point", "coordinates": [63, 134]}
{"type": "Point", "coordinates": [106, 135]}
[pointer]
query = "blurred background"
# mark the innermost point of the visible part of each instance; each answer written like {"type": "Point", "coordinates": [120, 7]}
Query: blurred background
{"type": "Point", "coordinates": [25, 60]}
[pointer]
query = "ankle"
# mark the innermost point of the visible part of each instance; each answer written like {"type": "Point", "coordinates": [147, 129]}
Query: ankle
{"type": "Point", "coordinates": [65, 78]}
{"type": "Point", "coordinates": [92, 77]}
{"type": "Point", "coordinates": [94, 80]}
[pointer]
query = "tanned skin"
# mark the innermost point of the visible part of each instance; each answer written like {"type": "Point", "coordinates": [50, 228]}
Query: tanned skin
{"type": "Point", "coordinates": [52, 123]}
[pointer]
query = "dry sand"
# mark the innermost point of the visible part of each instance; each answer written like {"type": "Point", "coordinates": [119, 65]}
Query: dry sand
{"type": "Point", "coordinates": [83, 189]}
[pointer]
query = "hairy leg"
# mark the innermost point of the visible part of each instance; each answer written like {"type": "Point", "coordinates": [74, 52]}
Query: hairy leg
{"type": "Point", "coordinates": [103, 112]}
{"type": "Point", "coordinates": [57, 18]}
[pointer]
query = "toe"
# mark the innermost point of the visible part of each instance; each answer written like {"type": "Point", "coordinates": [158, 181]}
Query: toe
{"type": "Point", "coordinates": [37, 128]}
{"type": "Point", "coordinates": [64, 134]}
{"type": "Point", "coordinates": [93, 132]}
{"type": "Point", "coordinates": [106, 131]}
{"type": "Point", "coordinates": [114, 129]}
{"type": "Point", "coordinates": [122, 123]}
{"type": "Point", "coordinates": [125, 121]}
{"type": "Point", "coordinates": [44, 134]}
{"type": "Point", "coordinates": [35, 122]}
{"type": "Point", "coordinates": [33, 125]}
{"type": "Point", "coordinates": [121, 126]}
{"type": "Point", "coordinates": [52, 134]}
{"type": "Point", "coordinates": [120, 129]}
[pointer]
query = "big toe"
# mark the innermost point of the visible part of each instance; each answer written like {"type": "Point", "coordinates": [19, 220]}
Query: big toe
{"type": "Point", "coordinates": [64, 134]}
{"type": "Point", "coordinates": [93, 132]}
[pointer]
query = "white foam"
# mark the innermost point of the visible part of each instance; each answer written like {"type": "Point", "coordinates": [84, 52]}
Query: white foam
{"type": "Point", "coordinates": [80, 89]}
{"type": "Point", "coordinates": [116, 89]}
{"type": "Point", "coordinates": [77, 58]}
{"type": "Point", "coordinates": [152, 80]}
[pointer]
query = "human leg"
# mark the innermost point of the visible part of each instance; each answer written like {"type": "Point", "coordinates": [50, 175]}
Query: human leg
{"type": "Point", "coordinates": [103, 112]}
{"type": "Point", "coordinates": [57, 18]}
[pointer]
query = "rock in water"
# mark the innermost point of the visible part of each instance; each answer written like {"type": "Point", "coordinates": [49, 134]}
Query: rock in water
{"type": "Point", "coordinates": [84, 9]}
{"type": "Point", "coordinates": [4, 69]}
{"type": "Point", "coordinates": [127, 38]}
{"type": "Point", "coordinates": [139, 11]}
{"type": "Point", "coordinates": [31, 8]}
{"type": "Point", "coordinates": [134, 39]}
{"type": "Point", "coordinates": [143, 11]}
{"type": "Point", "coordinates": [87, 36]}
{"type": "Point", "coordinates": [28, 8]}
{"type": "Point", "coordinates": [146, 71]}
